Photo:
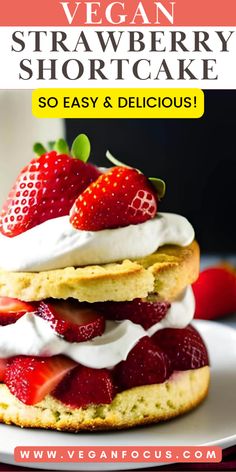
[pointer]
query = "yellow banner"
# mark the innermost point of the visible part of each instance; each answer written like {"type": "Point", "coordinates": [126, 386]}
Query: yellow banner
{"type": "Point", "coordinates": [118, 103]}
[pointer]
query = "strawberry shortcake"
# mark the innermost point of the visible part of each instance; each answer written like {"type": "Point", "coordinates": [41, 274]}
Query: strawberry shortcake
{"type": "Point", "coordinates": [95, 298]}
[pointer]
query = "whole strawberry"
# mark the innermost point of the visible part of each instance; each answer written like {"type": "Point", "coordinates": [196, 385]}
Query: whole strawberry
{"type": "Point", "coordinates": [215, 292]}
{"type": "Point", "coordinates": [184, 347]}
{"type": "Point", "coordinates": [146, 364]}
{"type": "Point", "coordinates": [120, 197]}
{"type": "Point", "coordinates": [47, 187]}
{"type": "Point", "coordinates": [85, 386]}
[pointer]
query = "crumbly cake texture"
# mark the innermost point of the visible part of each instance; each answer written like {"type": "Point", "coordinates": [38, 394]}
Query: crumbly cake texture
{"type": "Point", "coordinates": [165, 274]}
{"type": "Point", "coordinates": [134, 407]}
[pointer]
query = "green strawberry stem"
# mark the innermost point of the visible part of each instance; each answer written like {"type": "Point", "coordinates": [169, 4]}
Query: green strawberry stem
{"type": "Point", "coordinates": [115, 161]}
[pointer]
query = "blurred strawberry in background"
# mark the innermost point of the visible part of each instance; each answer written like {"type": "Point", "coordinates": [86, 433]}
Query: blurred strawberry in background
{"type": "Point", "coordinates": [215, 292]}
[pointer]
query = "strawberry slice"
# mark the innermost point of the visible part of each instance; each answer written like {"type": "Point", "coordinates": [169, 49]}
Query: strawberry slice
{"type": "Point", "coordinates": [215, 292]}
{"type": "Point", "coordinates": [46, 188]}
{"type": "Point", "coordinates": [146, 364]}
{"type": "Point", "coordinates": [3, 367]}
{"type": "Point", "coordinates": [138, 311]}
{"type": "Point", "coordinates": [120, 197]}
{"type": "Point", "coordinates": [11, 309]}
{"type": "Point", "coordinates": [85, 386]}
{"type": "Point", "coordinates": [30, 379]}
{"type": "Point", "coordinates": [184, 347]}
{"type": "Point", "coordinates": [72, 320]}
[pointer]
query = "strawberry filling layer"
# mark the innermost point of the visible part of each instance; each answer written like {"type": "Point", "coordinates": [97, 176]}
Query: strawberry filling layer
{"type": "Point", "coordinates": [98, 335]}
{"type": "Point", "coordinates": [151, 359]}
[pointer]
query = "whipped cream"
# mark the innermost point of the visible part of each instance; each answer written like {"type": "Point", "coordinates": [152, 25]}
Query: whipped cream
{"type": "Point", "coordinates": [55, 244]}
{"type": "Point", "coordinates": [33, 336]}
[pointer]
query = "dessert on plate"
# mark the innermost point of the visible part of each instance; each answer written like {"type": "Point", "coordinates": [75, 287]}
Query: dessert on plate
{"type": "Point", "coordinates": [95, 298]}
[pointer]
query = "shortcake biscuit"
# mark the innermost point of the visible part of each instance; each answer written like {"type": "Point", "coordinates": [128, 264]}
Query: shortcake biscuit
{"type": "Point", "coordinates": [165, 274]}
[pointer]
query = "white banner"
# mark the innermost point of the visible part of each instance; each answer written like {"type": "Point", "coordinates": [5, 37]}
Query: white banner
{"type": "Point", "coordinates": [122, 57]}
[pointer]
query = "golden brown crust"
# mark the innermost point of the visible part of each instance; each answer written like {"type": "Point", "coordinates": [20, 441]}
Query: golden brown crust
{"type": "Point", "coordinates": [166, 272]}
{"type": "Point", "coordinates": [173, 269]}
{"type": "Point", "coordinates": [134, 407]}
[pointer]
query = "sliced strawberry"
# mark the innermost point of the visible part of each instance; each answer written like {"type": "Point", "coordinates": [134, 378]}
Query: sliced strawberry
{"type": "Point", "coordinates": [215, 292]}
{"type": "Point", "coordinates": [74, 321]}
{"type": "Point", "coordinates": [120, 197]}
{"type": "Point", "coordinates": [13, 305]}
{"type": "Point", "coordinates": [146, 364]}
{"type": "Point", "coordinates": [3, 367]}
{"type": "Point", "coordinates": [184, 347]}
{"type": "Point", "coordinates": [30, 379]}
{"type": "Point", "coordinates": [11, 309]}
{"type": "Point", "coordinates": [46, 188]}
{"type": "Point", "coordinates": [144, 313]}
{"type": "Point", "coordinates": [85, 386]}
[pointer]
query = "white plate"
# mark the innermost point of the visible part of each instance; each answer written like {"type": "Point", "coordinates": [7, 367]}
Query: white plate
{"type": "Point", "coordinates": [214, 422]}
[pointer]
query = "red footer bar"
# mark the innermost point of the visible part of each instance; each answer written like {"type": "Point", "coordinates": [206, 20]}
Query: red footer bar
{"type": "Point", "coordinates": [118, 454]}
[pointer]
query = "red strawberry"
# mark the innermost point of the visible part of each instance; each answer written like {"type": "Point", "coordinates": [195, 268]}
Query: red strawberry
{"type": "Point", "coordinates": [215, 293]}
{"type": "Point", "coordinates": [84, 386]}
{"type": "Point", "coordinates": [146, 364]}
{"type": "Point", "coordinates": [144, 313]}
{"type": "Point", "coordinates": [184, 347]}
{"type": "Point", "coordinates": [3, 367]}
{"type": "Point", "coordinates": [120, 197]}
{"type": "Point", "coordinates": [74, 321]}
{"type": "Point", "coordinates": [11, 309]}
{"type": "Point", "coordinates": [46, 188]}
{"type": "Point", "coordinates": [30, 379]}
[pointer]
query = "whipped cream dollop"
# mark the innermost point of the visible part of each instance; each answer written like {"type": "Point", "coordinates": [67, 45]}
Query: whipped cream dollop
{"type": "Point", "coordinates": [55, 244]}
{"type": "Point", "coordinates": [33, 336]}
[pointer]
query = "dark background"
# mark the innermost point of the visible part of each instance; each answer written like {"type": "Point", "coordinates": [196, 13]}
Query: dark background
{"type": "Point", "coordinates": [196, 158]}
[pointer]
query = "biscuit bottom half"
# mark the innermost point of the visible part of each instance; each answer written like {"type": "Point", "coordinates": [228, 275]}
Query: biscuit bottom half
{"type": "Point", "coordinates": [138, 406]}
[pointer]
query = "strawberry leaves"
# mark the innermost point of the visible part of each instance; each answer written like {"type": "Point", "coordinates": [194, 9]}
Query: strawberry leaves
{"type": "Point", "coordinates": [159, 186]}
{"type": "Point", "coordinates": [81, 148]}
{"type": "Point", "coordinates": [39, 149]}
{"type": "Point", "coordinates": [61, 147]}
